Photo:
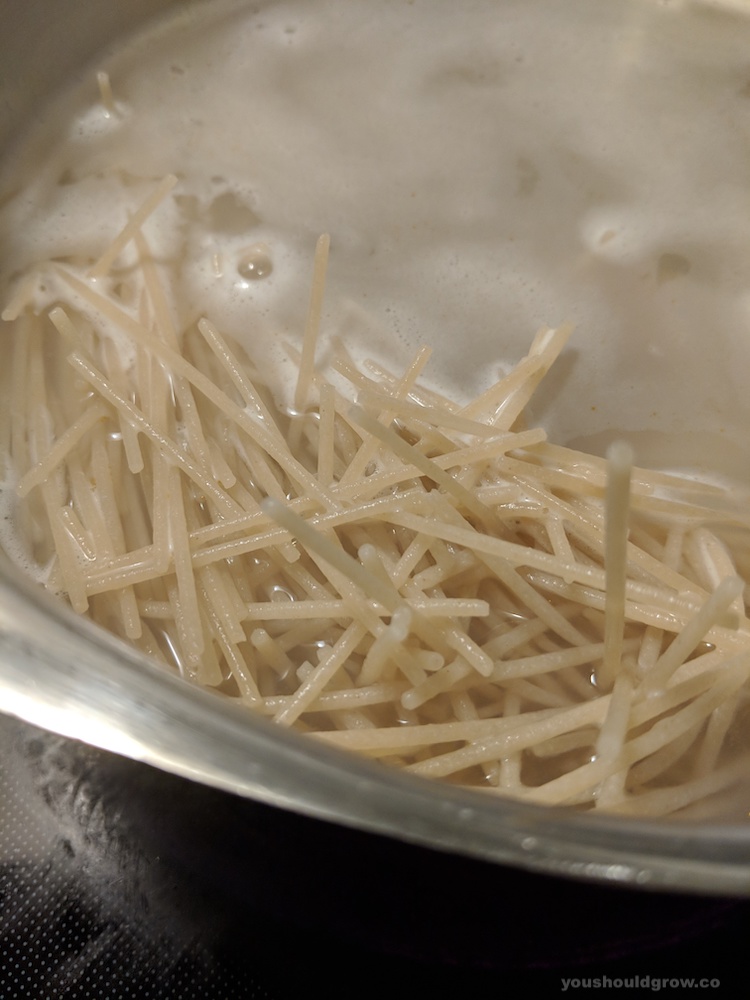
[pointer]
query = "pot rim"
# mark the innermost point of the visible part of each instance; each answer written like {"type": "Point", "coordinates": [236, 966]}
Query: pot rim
{"type": "Point", "coordinates": [62, 673]}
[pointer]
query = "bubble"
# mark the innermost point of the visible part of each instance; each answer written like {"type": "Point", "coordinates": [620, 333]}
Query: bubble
{"type": "Point", "coordinates": [255, 262]}
{"type": "Point", "coordinates": [229, 214]}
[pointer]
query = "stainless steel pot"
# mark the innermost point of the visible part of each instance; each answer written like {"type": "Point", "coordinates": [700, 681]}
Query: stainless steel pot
{"type": "Point", "coordinates": [60, 673]}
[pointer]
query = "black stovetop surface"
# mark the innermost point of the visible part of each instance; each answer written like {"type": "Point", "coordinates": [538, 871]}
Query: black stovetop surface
{"type": "Point", "coordinates": [119, 881]}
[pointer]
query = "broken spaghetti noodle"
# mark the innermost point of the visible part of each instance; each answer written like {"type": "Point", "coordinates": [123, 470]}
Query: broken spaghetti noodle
{"type": "Point", "coordinates": [428, 583]}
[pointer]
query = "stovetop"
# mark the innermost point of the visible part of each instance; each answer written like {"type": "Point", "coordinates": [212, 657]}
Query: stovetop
{"type": "Point", "coordinates": [118, 880]}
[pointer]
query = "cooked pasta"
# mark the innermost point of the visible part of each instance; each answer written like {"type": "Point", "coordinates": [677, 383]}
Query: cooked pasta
{"type": "Point", "coordinates": [427, 582]}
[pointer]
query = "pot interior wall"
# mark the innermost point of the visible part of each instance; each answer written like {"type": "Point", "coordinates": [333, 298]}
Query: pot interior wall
{"type": "Point", "coordinates": [44, 43]}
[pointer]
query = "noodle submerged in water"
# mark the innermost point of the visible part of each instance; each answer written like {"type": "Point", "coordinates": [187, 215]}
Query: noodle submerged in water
{"type": "Point", "coordinates": [347, 546]}
{"type": "Point", "coordinates": [427, 582]}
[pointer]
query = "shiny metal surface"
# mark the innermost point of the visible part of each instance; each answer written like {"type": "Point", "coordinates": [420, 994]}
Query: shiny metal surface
{"type": "Point", "coordinates": [45, 42]}
{"type": "Point", "coordinates": [58, 672]}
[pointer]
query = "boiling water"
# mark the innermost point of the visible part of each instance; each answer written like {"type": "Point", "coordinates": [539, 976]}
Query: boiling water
{"type": "Point", "coordinates": [483, 169]}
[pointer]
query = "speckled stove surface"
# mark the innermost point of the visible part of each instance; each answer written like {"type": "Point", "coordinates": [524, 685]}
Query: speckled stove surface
{"type": "Point", "coordinates": [119, 881]}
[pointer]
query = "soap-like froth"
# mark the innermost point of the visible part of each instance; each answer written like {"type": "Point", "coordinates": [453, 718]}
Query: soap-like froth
{"type": "Point", "coordinates": [483, 169]}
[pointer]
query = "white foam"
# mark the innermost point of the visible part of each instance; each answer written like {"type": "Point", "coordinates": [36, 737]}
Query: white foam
{"type": "Point", "coordinates": [482, 170]}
